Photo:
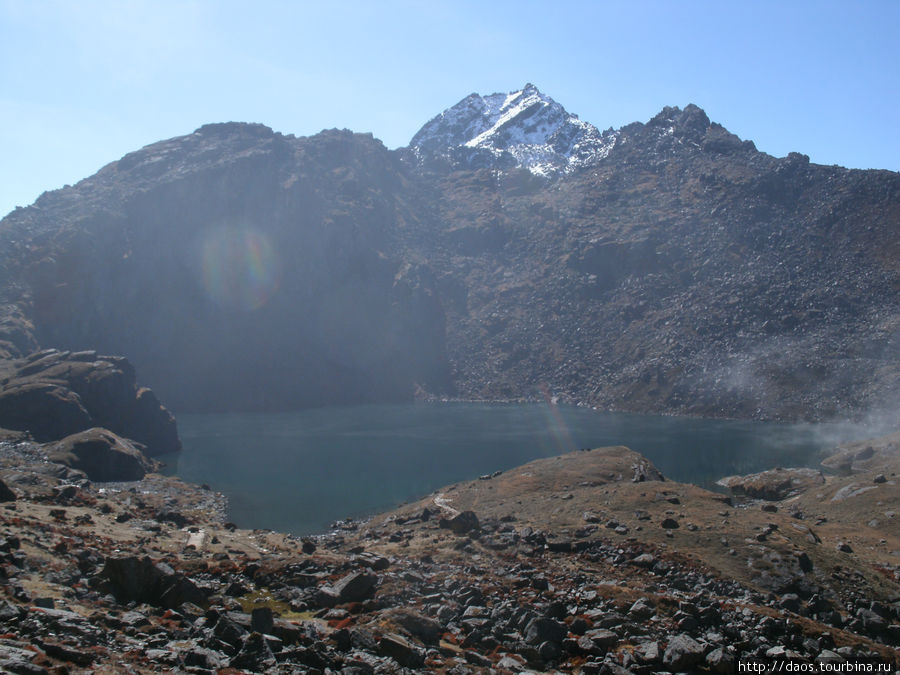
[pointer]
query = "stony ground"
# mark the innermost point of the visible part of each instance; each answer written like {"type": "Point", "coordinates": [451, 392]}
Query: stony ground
{"type": "Point", "coordinates": [589, 562]}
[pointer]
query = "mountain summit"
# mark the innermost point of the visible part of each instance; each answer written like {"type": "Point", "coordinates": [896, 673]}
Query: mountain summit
{"type": "Point", "coordinates": [524, 129]}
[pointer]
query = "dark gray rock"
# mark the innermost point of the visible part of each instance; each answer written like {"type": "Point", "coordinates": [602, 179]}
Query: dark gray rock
{"type": "Point", "coordinates": [416, 624]}
{"type": "Point", "coordinates": [683, 653]}
{"type": "Point", "coordinates": [356, 587]}
{"type": "Point", "coordinates": [64, 652]}
{"type": "Point", "coordinates": [14, 659]}
{"type": "Point", "coordinates": [645, 560]}
{"type": "Point", "coordinates": [201, 657]}
{"type": "Point", "coordinates": [560, 546]}
{"type": "Point", "coordinates": [549, 650]}
{"type": "Point", "coordinates": [401, 650]}
{"type": "Point", "coordinates": [230, 632]}
{"type": "Point", "coordinates": [721, 660]}
{"type": "Point", "coordinates": [134, 619]}
{"type": "Point", "coordinates": [461, 523]}
{"type": "Point", "coordinates": [541, 629]}
{"type": "Point", "coordinates": [171, 516]}
{"type": "Point", "coordinates": [602, 638]}
{"type": "Point", "coordinates": [648, 653]}
{"type": "Point", "coordinates": [872, 622]}
{"type": "Point", "coordinates": [255, 654]}
{"type": "Point", "coordinates": [262, 620]}
{"type": "Point", "coordinates": [790, 602]}
{"type": "Point", "coordinates": [48, 411]}
{"type": "Point", "coordinates": [6, 494]}
{"type": "Point", "coordinates": [645, 471]}
{"type": "Point", "coordinates": [477, 659]}
{"type": "Point", "coordinates": [10, 612]}
{"type": "Point", "coordinates": [804, 561]}
{"type": "Point", "coordinates": [134, 579]}
{"type": "Point", "coordinates": [641, 609]}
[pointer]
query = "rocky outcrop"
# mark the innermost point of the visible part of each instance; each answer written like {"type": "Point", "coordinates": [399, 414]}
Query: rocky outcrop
{"type": "Point", "coordinates": [102, 455]}
{"type": "Point", "coordinates": [773, 485]}
{"type": "Point", "coordinates": [861, 456]}
{"type": "Point", "coordinates": [461, 523]}
{"type": "Point", "coordinates": [53, 394]}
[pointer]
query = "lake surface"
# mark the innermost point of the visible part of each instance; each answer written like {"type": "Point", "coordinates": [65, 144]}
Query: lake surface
{"type": "Point", "coordinates": [298, 472]}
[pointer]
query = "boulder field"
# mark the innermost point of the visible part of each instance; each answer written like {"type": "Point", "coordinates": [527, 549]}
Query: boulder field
{"type": "Point", "coordinates": [590, 562]}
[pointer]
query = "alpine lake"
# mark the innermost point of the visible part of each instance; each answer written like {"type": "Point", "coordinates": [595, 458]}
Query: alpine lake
{"type": "Point", "coordinates": [299, 472]}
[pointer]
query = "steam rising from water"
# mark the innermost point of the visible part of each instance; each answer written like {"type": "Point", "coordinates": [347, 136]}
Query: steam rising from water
{"type": "Point", "coordinates": [241, 269]}
{"type": "Point", "coordinates": [299, 471]}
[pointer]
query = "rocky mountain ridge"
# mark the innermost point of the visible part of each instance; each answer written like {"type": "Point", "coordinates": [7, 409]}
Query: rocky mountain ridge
{"type": "Point", "coordinates": [685, 266]}
{"type": "Point", "coordinates": [681, 272]}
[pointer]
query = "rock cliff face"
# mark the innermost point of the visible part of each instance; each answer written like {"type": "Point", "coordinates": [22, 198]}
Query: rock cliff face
{"type": "Point", "coordinates": [511, 251]}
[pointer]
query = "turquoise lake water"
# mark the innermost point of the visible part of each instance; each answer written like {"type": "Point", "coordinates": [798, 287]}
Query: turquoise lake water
{"type": "Point", "coordinates": [298, 472]}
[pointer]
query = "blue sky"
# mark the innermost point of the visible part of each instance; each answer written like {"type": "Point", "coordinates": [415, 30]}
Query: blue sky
{"type": "Point", "coordinates": [83, 82]}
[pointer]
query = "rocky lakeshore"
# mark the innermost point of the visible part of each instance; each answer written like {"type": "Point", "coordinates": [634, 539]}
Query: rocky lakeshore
{"type": "Point", "coordinates": [590, 562]}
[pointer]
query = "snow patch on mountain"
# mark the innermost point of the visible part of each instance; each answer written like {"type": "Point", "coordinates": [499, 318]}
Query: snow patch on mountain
{"type": "Point", "coordinates": [524, 129]}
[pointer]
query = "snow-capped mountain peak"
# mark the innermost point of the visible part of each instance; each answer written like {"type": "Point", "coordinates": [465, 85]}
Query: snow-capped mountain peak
{"type": "Point", "coordinates": [524, 128]}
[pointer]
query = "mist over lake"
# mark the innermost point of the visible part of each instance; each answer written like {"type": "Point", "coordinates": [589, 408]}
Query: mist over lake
{"type": "Point", "coordinates": [301, 471]}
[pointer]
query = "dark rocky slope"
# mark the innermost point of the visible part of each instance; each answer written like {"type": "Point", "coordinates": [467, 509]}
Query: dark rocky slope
{"type": "Point", "coordinates": [679, 270]}
{"type": "Point", "coordinates": [685, 272]}
{"type": "Point", "coordinates": [237, 269]}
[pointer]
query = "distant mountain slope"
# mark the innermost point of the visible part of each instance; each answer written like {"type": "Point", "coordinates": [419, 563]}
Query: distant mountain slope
{"type": "Point", "coordinates": [511, 251]}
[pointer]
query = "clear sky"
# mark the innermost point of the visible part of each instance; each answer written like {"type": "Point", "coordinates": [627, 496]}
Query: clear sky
{"type": "Point", "coordinates": [82, 82]}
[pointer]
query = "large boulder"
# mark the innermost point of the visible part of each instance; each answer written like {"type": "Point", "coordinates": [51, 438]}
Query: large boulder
{"type": "Point", "coordinates": [255, 655]}
{"type": "Point", "coordinates": [542, 629]}
{"type": "Point", "coordinates": [102, 455]}
{"type": "Point", "coordinates": [53, 394]}
{"type": "Point", "coordinates": [773, 485]}
{"type": "Point", "coordinates": [356, 587]}
{"type": "Point", "coordinates": [683, 653]}
{"type": "Point", "coordinates": [134, 579]}
{"type": "Point", "coordinates": [402, 651]}
{"type": "Point", "coordinates": [461, 523]}
{"type": "Point", "coordinates": [6, 494]}
{"type": "Point", "coordinates": [415, 623]}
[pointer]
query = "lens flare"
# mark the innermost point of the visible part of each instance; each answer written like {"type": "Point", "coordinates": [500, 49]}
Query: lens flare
{"type": "Point", "coordinates": [240, 268]}
{"type": "Point", "coordinates": [556, 424]}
